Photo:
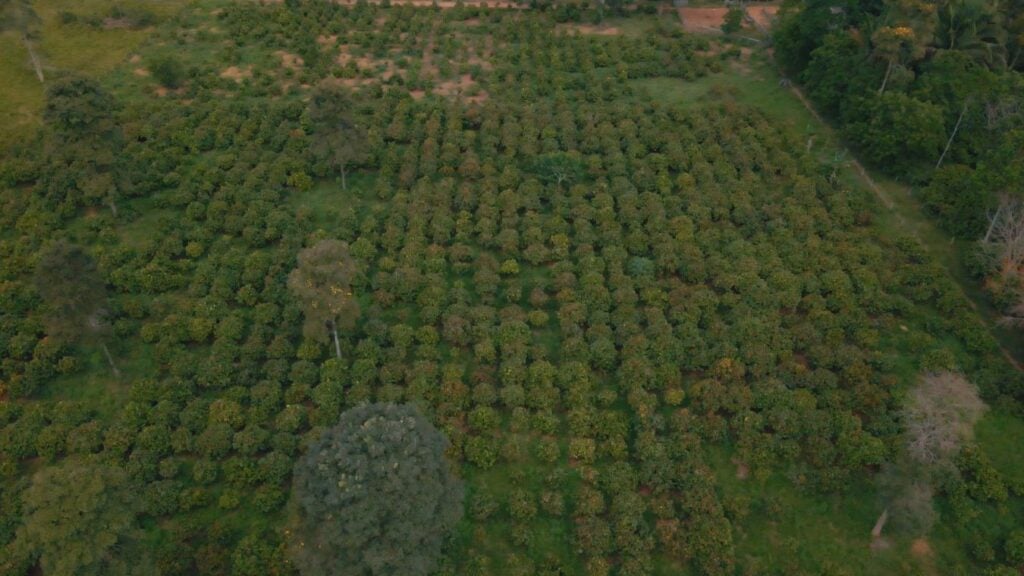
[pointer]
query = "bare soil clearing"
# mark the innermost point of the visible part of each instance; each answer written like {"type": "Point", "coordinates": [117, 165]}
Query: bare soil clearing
{"type": "Point", "coordinates": [115, 23]}
{"type": "Point", "coordinates": [237, 74]}
{"type": "Point", "coordinates": [762, 15]}
{"type": "Point", "coordinates": [702, 19]}
{"type": "Point", "coordinates": [289, 60]}
{"type": "Point", "coordinates": [710, 19]}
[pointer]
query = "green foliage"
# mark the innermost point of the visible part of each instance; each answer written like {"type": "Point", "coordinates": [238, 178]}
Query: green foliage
{"type": "Point", "coordinates": [322, 282]}
{"type": "Point", "coordinates": [591, 290]}
{"type": "Point", "coordinates": [836, 73]}
{"type": "Point", "coordinates": [957, 200]}
{"type": "Point", "coordinates": [167, 70]}
{"type": "Point", "coordinates": [733, 20]}
{"type": "Point", "coordinates": [374, 494]}
{"type": "Point", "coordinates": [71, 286]}
{"type": "Point", "coordinates": [78, 517]}
{"type": "Point", "coordinates": [558, 168]}
{"type": "Point", "coordinates": [895, 131]}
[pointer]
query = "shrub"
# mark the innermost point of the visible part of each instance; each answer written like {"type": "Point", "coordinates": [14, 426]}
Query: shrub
{"type": "Point", "coordinates": [167, 70]}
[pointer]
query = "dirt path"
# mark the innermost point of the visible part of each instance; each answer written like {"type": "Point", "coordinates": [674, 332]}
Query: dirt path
{"type": "Point", "coordinates": [856, 163]}
{"type": "Point", "coordinates": [891, 206]}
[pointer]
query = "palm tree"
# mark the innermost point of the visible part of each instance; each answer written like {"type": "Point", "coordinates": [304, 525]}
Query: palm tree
{"type": "Point", "coordinates": [972, 27]}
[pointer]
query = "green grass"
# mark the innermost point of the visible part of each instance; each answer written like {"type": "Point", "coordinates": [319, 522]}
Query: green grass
{"type": "Point", "coordinates": [77, 47]}
{"type": "Point", "coordinates": [21, 94]}
{"type": "Point", "coordinates": [999, 434]}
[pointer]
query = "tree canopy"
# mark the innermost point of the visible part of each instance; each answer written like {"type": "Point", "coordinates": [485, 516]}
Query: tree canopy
{"type": "Point", "coordinates": [322, 282]}
{"type": "Point", "coordinates": [374, 495]}
{"type": "Point", "coordinates": [77, 518]}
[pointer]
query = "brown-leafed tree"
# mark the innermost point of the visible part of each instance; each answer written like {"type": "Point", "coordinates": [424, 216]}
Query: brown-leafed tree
{"type": "Point", "coordinates": [322, 281]}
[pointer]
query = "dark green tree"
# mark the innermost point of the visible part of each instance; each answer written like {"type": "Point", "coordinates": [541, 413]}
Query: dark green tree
{"type": "Point", "coordinates": [168, 71]}
{"type": "Point", "coordinates": [323, 283]}
{"type": "Point", "coordinates": [336, 135]}
{"type": "Point", "coordinates": [558, 168]}
{"type": "Point", "coordinates": [84, 146]}
{"type": "Point", "coordinates": [374, 496]}
{"type": "Point", "coordinates": [77, 518]}
{"type": "Point", "coordinates": [75, 294]}
{"type": "Point", "coordinates": [733, 20]}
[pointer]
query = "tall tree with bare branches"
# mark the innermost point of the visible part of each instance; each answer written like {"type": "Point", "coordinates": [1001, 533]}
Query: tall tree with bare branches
{"type": "Point", "coordinates": [938, 418]}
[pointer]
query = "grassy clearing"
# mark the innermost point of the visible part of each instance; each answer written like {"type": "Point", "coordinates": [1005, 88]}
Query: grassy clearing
{"type": "Point", "coordinates": [999, 435]}
{"type": "Point", "coordinates": [77, 47]}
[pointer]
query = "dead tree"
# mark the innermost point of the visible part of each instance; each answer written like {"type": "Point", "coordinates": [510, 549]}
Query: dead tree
{"type": "Point", "coordinates": [1005, 235]}
{"type": "Point", "coordinates": [938, 417]}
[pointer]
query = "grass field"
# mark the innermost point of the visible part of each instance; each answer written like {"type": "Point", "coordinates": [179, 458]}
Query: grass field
{"type": "Point", "coordinates": [76, 47]}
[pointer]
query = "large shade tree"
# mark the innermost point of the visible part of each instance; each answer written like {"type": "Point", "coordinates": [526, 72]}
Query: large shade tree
{"type": "Point", "coordinates": [77, 518]}
{"type": "Point", "coordinates": [337, 137]}
{"type": "Point", "coordinates": [322, 281]}
{"type": "Point", "coordinates": [75, 294]}
{"type": "Point", "coordinates": [374, 496]}
{"type": "Point", "coordinates": [85, 145]}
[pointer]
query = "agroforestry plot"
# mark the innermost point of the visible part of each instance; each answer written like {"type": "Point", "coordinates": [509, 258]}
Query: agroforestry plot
{"type": "Point", "coordinates": [652, 334]}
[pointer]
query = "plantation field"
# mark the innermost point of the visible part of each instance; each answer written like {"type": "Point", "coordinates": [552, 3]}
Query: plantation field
{"type": "Point", "coordinates": [664, 325]}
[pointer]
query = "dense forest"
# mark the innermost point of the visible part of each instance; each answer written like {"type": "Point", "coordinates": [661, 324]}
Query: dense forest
{"type": "Point", "coordinates": [310, 288]}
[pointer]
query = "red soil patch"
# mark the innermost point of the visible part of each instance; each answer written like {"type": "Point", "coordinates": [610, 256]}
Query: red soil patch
{"type": "Point", "coordinates": [921, 548]}
{"type": "Point", "coordinates": [742, 470]}
{"type": "Point", "coordinates": [702, 19]}
{"type": "Point", "coordinates": [142, 72]}
{"type": "Point", "coordinates": [711, 19]}
{"type": "Point", "coordinates": [237, 74]}
{"type": "Point", "coordinates": [763, 15]}
{"type": "Point", "coordinates": [289, 60]}
{"type": "Point", "coordinates": [135, 59]}
{"type": "Point", "coordinates": [461, 88]}
{"type": "Point", "coordinates": [478, 61]}
{"type": "Point", "coordinates": [366, 63]}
